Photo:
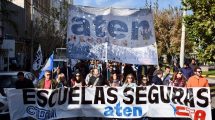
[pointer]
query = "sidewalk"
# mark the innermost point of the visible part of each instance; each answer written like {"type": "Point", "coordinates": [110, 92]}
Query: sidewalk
{"type": "Point", "coordinates": [211, 80]}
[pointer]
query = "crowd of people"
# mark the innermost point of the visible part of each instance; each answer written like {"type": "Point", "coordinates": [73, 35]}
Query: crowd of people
{"type": "Point", "coordinates": [95, 73]}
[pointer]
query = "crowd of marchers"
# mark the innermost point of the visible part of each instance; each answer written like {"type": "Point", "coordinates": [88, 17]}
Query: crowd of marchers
{"type": "Point", "coordinates": [95, 73]}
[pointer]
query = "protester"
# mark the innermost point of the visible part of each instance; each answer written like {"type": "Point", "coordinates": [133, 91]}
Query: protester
{"type": "Point", "coordinates": [114, 81]}
{"type": "Point", "coordinates": [150, 72]}
{"type": "Point", "coordinates": [98, 66]}
{"type": "Point", "coordinates": [56, 72]}
{"type": "Point", "coordinates": [106, 73]}
{"type": "Point", "coordinates": [187, 72]}
{"type": "Point", "coordinates": [117, 68]}
{"type": "Point", "coordinates": [61, 81]}
{"type": "Point", "coordinates": [158, 67]}
{"type": "Point", "coordinates": [193, 64]}
{"type": "Point", "coordinates": [77, 80]}
{"type": "Point", "coordinates": [82, 67]}
{"type": "Point", "coordinates": [96, 79]}
{"type": "Point", "coordinates": [144, 81]}
{"type": "Point", "coordinates": [176, 67]}
{"type": "Point", "coordinates": [178, 80]}
{"type": "Point", "coordinates": [166, 76]}
{"type": "Point", "coordinates": [47, 82]}
{"type": "Point", "coordinates": [156, 80]}
{"type": "Point", "coordinates": [91, 64]}
{"type": "Point", "coordinates": [197, 80]}
{"type": "Point", "coordinates": [66, 71]}
{"type": "Point", "coordinates": [23, 82]}
{"type": "Point", "coordinates": [129, 70]}
{"type": "Point", "coordinates": [129, 81]}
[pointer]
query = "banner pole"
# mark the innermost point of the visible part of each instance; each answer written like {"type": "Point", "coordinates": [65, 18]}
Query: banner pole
{"type": "Point", "coordinates": [106, 60]}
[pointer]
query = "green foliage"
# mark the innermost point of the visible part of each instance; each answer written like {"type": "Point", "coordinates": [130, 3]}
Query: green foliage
{"type": "Point", "coordinates": [211, 72]}
{"type": "Point", "coordinates": [168, 32]}
{"type": "Point", "coordinates": [200, 27]}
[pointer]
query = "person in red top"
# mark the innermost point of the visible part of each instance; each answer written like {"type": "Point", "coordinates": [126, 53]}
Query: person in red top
{"type": "Point", "coordinates": [47, 82]}
{"type": "Point", "coordinates": [197, 80]}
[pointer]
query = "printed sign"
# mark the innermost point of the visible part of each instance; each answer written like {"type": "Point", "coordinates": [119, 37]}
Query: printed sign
{"type": "Point", "coordinates": [108, 102]}
{"type": "Point", "coordinates": [123, 35]}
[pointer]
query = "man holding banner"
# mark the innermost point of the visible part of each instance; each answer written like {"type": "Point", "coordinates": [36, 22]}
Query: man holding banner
{"type": "Point", "coordinates": [47, 82]}
{"type": "Point", "coordinates": [96, 79]}
{"type": "Point", "coordinates": [197, 80]}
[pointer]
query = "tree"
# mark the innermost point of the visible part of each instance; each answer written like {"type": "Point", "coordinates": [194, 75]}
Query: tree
{"type": "Point", "coordinates": [168, 32]}
{"type": "Point", "coordinates": [200, 27]}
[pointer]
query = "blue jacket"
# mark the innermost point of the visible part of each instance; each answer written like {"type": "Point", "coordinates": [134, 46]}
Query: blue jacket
{"type": "Point", "coordinates": [187, 72]}
{"type": "Point", "coordinates": [156, 80]}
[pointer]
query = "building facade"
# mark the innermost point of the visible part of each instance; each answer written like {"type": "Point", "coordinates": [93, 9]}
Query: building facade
{"type": "Point", "coordinates": [17, 25]}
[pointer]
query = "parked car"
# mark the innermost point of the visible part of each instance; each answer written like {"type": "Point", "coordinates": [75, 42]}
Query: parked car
{"type": "Point", "coordinates": [7, 80]}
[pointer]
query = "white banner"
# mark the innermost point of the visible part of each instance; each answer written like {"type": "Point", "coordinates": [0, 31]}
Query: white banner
{"type": "Point", "coordinates": [126, 34]}
{"type": "Point", "coordinates": [3, 104]}
{"type": "Point", "coordinates": [107, 102]}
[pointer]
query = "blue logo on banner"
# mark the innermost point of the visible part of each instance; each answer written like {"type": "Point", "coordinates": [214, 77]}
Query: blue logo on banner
{"type": "Point", "coordinates": [122, 111]}
{"type": "Point", "coordinates": [41, 114]}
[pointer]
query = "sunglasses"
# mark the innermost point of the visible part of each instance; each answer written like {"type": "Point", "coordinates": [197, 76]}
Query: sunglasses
{"type": "Point", "coordinates": [179, 73]}
{"type": "Point", "coordinates": [199, 71]}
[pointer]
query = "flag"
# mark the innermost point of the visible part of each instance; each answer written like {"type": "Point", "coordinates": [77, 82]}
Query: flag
{"type": "Point", "coordinates": [38, 59]}
{"type": "Point", "coordinates": [48, 66]}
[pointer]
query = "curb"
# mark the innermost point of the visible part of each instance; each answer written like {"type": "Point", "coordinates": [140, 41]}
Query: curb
{"type": "Point", "coordinates": [209, 76]}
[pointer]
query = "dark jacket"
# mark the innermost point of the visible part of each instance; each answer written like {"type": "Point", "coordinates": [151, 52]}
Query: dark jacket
{"type": "Point", "coordinates": [187, 72]}
{"type": "Point", "coordinates": [176, 68]}
{"type": "Point", "coordinates": [101, 81]}
{"type": "Point", "coordinates": [64, 70]}
{"type": "Point", "coordinates": [42, 83]}
{"type": "Point", "coordinates": [26, 83]}
{"type": "Point", "coordinates": [156, 80]}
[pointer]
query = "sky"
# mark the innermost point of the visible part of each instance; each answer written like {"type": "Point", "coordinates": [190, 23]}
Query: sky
{"type": "Point", "coordinates": [128, 3]}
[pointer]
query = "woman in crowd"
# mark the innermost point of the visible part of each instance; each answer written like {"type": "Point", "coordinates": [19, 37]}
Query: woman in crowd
{"type": "Point", "coordinates": [78, 81]}
{"type": "Point", "coordinates": [178, 80]}
{"type": "Point", "coordinates": [56, 72]}
{"type": "Point", "coordinates": [61, 80]}
{"type": "Point", "coordinates": [144, 81]}
{"type": "Point", "coordinates": [129, 81]}
{"type": "Point", "coordinates": [114, 81]}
